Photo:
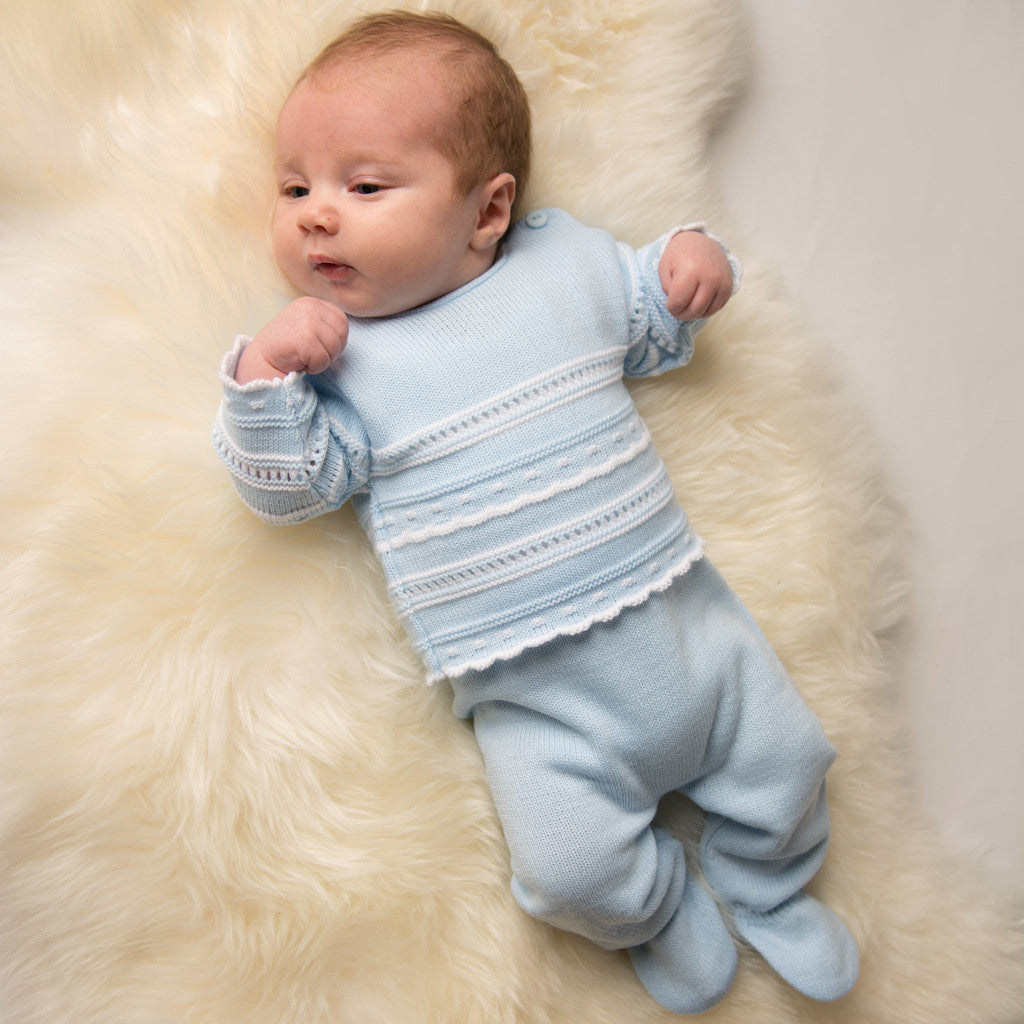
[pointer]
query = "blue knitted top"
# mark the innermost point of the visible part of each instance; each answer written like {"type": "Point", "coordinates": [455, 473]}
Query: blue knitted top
{"type": "Point", "coordinates": [489, 444]}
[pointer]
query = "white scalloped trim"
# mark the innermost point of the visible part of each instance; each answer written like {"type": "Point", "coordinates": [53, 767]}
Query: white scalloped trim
{"type": "Point", "coordinates": [632, 601]}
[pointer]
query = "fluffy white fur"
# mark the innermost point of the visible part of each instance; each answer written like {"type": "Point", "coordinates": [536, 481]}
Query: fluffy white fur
{"type": "Point", "coordinates": [225, 794]}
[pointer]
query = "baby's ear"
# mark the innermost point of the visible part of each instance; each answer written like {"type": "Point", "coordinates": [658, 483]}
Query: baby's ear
{"type": "Point", "coordinates": [494, 210]}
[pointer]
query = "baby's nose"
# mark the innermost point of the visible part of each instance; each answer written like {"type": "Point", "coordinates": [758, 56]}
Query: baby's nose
{"type": "Point", "coordinates": [319, 216]}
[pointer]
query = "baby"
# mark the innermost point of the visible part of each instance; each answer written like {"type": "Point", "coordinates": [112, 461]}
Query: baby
{"type": "Point", "coordinates": [462, 382]}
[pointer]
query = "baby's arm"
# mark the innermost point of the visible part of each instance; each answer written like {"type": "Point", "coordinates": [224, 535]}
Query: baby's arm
{"type": "Point", "coordinates": [675, 283]}
{"type": "Point", "coordinates": [696, 276]}
{"type": "Point", "coordinates": [294, 446]}
{"type": "Point", "coordinates": [305, 337]}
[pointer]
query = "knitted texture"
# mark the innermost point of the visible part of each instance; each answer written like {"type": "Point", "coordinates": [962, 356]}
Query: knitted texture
{"type": "Point", "coordinates": [583, 738]}
{"type": "Point", "coordinates": [490, 446]}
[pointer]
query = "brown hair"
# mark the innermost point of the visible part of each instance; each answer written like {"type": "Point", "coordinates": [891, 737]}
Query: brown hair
{"type": "Point", "coordinates": [488, 130]}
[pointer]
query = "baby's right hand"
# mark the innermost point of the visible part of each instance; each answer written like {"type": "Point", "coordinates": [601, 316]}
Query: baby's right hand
{"type": "Point", "coordinates": [306, 336]}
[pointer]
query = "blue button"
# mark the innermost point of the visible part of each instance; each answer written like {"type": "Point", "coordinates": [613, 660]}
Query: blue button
{"type": "Point", "coordinates": [536, 219]}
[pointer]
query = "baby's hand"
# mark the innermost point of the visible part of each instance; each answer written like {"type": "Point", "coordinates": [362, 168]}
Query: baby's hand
{"type": "Point", "coordinates": [306, 336]}
{"type": "Point", "coordinates": [696, 276]}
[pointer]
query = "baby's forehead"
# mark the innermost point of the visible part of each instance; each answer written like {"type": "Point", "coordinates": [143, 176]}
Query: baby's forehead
{"type": "Point", "coordinates": [416, 79]}
{"type": "Point", "coordinates": [412, 67]}
{"type": "Point", "coordinates": [411, 96]}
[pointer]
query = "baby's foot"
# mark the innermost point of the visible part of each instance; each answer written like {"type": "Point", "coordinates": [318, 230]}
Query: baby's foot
{"type": "Point", "coordinates": [690, 964]}
{"type": "Point", "coordinates": [805, 943]}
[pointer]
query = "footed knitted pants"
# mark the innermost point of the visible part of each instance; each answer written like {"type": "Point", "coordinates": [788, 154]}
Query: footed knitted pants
{"type": "Point", "coordinates": [582, 737]}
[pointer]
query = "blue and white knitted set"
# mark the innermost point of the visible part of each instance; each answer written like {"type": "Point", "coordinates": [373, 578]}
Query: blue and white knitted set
{"type": "Point", "coordinates": [510, 488]}
{"type": "Point", "coordinates": [536, 553]}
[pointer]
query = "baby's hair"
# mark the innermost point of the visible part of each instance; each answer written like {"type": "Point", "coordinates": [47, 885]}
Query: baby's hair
{"type": "Point", "coordinates": [488, 129]}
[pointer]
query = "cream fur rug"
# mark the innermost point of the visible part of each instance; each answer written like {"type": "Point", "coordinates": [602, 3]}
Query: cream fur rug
{"type": "Point", "coordinates": [225, 795]}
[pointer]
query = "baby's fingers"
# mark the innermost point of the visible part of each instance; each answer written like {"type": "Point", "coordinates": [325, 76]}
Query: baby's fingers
{"type": "Point", "coordinates": [682, 295]}
{"type": "Point", "coordinates": [326, 337]}
{"type": "Point", "coordinates": [707, 300]}
{"type": "Point", "coordinates": [324, 347]}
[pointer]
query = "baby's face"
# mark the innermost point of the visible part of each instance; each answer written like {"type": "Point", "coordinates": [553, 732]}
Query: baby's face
{"type": "Point", "coordinates": [367, 215]}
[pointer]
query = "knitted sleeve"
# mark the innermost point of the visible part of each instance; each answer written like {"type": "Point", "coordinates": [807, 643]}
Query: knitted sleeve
{"type": "Point", "coordinates": [657, 341]}
{"type": "Point", "coordinates": [293, 453]}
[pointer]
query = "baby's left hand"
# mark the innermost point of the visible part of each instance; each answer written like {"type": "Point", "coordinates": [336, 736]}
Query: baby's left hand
{"type": "Point", "coordinates": [696, 276]}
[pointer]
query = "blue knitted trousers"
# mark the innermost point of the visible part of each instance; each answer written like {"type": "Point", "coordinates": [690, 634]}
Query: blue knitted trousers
{"type": "Point", "coordinates": [582, 737]}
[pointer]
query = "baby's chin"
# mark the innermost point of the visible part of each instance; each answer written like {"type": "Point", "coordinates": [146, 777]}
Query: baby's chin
{"type": "Point", "coordinates": [362, 307]}
{"type": "Point", "coordinates": [350, 294]}
{"type": "Point", "coordinates": [376, 310]}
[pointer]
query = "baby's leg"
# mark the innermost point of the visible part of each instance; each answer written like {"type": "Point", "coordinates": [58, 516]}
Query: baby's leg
{"type": "Point", "coordinates": [768, 826]}
{"type": "Point", "coordinates": [585, 858]}
{"type": "Point", "coordinates": [566, 739]}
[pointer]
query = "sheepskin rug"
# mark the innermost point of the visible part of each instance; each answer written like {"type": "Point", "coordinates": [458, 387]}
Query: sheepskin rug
{"type": "Point", "coordinates": [226, 794]}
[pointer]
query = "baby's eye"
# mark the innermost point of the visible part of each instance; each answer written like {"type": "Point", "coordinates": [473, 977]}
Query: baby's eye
{"type": "Point", "coordinates": [296, 191]}
{"type": "Point", "coordinates": [366, 188]}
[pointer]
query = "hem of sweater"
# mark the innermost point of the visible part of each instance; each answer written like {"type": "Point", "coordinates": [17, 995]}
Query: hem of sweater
{"type": "Point", "coordinates": [632, 601]}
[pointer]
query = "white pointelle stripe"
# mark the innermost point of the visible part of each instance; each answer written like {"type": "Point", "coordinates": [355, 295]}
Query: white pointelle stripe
{"type": "Point", "coordinates": [495, 511]}
{"type": "Point", "coordinates": [620, 518]}
{"type": "Point", "coordinates": [527, 400]}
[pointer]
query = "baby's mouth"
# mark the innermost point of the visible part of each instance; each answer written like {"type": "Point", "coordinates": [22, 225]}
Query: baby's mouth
{"type": "Point", "coordinates": [329, 269]}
